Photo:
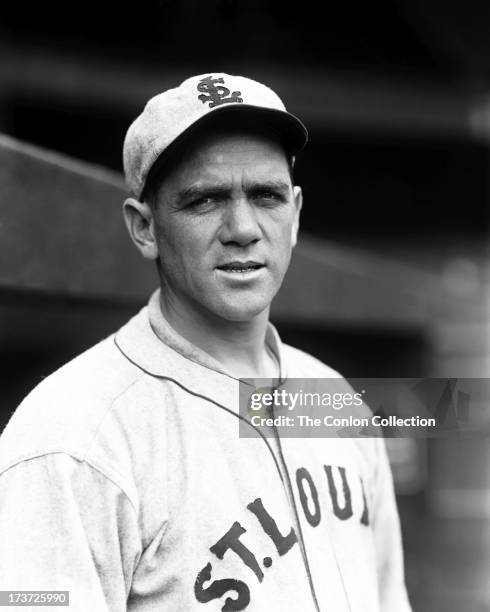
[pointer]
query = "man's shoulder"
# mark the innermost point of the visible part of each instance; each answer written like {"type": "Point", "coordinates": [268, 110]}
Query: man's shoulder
{"type": "Point", "coordinates": [99, 373]}
{"type": "Point", "coordinates": [62, 413]}
{"type": "Point", "coordinates": [301, 364]}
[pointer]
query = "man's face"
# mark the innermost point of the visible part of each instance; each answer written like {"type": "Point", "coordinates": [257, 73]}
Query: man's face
{"type": "Point", "coordinates": [225, 221]}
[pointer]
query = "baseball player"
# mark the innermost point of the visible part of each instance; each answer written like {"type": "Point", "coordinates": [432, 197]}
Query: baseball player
{"type": "Point", "coordinates": [123, 480]}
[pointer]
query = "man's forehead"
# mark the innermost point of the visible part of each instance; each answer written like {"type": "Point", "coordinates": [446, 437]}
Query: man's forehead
{"type": "Point", "coordinates": [221, 156]}
{"type": "Point", "coordinates": [240, 151]}
{"type": "Point", "coordinates": [226, 140]}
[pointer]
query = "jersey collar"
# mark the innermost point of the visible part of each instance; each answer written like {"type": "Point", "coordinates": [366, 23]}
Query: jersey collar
{"type": "Point", "coordinates": [148, 341]}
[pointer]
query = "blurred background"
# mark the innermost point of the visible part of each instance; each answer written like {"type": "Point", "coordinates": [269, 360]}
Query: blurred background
{"type": "Point", "coordinates": [391, 275]}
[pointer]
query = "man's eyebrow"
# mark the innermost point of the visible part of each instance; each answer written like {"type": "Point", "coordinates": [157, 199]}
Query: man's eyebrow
{"type": "Point", "coordinates": [197, 191]}
{"type": "Point", "coordinates": [269, 184]}
{"type": "Point", "coordinates": [194, 192]}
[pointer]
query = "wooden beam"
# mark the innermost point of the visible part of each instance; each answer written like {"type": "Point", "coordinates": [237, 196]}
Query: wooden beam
{"type": "Point", "coordinates": [61, 228]}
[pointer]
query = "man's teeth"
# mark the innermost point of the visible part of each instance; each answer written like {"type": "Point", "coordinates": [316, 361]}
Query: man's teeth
{"type": "Point", "coordinates": [241, 269]}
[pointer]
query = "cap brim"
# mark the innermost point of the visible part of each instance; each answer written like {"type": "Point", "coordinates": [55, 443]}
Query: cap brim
{"type": "Point", "coordinates": [291, 129]}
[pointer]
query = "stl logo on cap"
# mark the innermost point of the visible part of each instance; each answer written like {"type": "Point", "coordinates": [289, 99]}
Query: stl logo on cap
{"type": "Point", "coordinates": [216, 94]}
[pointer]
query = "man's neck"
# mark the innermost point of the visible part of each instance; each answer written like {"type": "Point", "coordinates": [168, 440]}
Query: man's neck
{"type": "Point", "coordinates": [239, 346]}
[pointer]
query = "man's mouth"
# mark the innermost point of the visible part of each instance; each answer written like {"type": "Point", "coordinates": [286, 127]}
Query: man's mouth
{"type": "Point", "coordinates": [240, 266]}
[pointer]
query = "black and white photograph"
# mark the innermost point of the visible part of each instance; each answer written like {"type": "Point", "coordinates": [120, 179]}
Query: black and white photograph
{"type": "Point", "coordinates": [245, 306]}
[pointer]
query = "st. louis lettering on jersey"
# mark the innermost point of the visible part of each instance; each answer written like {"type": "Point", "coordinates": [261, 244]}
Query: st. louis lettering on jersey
{"type": "Point", "coordinates": [230, 542]}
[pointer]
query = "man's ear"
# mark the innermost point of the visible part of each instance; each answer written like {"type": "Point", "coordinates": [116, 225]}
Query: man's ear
{"type": "Point", "coordinates": [298, 203]}
{"type": "Point", "coordinates": [138, 217]}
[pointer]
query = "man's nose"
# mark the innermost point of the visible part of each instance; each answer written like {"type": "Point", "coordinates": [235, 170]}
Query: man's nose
{"type": "Point", "coordinates": [240, 224]}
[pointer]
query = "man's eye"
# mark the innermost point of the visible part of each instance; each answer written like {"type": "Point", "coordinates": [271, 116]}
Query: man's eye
{"type": "Point", "coordinates": [204, 202]}
{"type": "Point", "coordinates": [268, 196]}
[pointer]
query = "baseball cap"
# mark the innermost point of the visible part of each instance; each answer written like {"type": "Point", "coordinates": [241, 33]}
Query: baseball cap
{"type": "Point", "coordinates": [169, 116]}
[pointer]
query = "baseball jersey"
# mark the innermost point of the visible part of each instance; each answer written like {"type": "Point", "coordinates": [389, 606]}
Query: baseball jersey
{"type": "Point", "coordinates": [123, 480]}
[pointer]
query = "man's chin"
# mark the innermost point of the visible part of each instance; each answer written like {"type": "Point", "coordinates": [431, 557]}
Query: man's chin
{"type": "Point", "coordinates": [242, 312]}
